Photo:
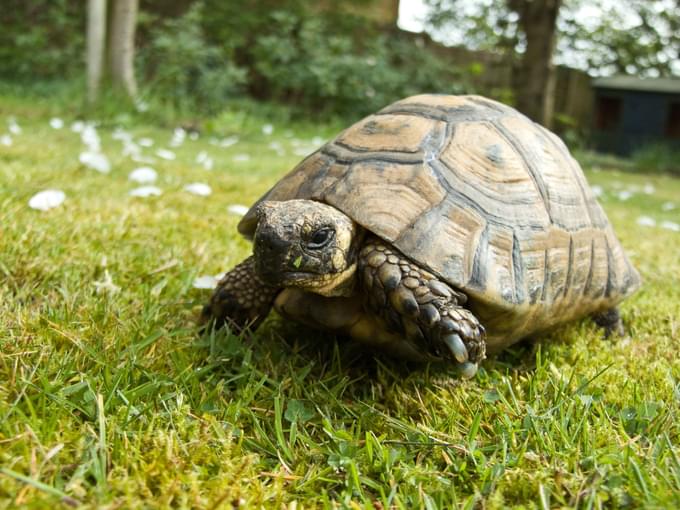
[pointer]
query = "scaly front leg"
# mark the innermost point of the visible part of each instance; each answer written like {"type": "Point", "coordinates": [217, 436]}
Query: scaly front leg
{"type": "Point", "coordinates": [417, 304]}
{"type": "Point", "coordinates": [241, 300]}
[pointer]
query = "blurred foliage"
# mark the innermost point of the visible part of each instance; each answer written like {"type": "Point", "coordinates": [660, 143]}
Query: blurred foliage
{"type": "Point", "coordinates": [302, 60]}
{"type": "Point", "coordinates": [41, 39]}
{"type": "Point", "coordinates": [657, 157]}
{"type": "Point", "coordinates": [571, 133]}
{"type": "Point", "coordinates": [642, 40]}
{"type": "Point", "coordinates": [324, 60]}
{"type": "Point", "coordinates": [488, 25]}
{"type": "Point", "coordinates": [637, 37]}
{"type": "Point", "coordinates": [184, 70]}
{"type": "Point", "coordinates": [195, 55]}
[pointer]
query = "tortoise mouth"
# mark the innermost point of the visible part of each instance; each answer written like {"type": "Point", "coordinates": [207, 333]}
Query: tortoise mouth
{"type": "Point", "coordinates": [295, 278]}
{"type": "Point", "coordinates": [280, 277]}
{"type": "Point", "coordinates": [273, 275]}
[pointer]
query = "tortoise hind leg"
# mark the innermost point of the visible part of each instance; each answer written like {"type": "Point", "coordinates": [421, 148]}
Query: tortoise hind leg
{"type": "Point", "coordinates": [421, 307]}
{"type": "Point", "coordinates": [610, 321]}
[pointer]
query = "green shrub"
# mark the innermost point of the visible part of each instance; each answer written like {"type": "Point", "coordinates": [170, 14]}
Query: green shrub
{"type": "Point", "coordinates": [41, 39]}
{"type": "Point", "coordinates": [304, 61]}
{"type": "Point", "coordinates": [198, 55]}
{"type": "Point", "coordinates": [183, 70]}
{"type": "Point", "coordinates": [657, 157]}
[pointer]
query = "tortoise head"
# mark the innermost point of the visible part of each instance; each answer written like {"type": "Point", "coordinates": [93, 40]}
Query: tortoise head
{"type": "Point", "coordinates": [306, 244]}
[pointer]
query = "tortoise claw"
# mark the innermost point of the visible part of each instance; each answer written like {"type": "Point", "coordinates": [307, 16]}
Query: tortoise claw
{"type": "Point", "coordinates": [457, 347]}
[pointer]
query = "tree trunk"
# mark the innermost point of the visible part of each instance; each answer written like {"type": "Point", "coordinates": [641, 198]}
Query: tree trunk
{"type": "Point", "coordinates": [534, 76]}
{"type": "Point", "coordinates": [122, 45]}
{"type": "Point", "coordinates": [96, 35]}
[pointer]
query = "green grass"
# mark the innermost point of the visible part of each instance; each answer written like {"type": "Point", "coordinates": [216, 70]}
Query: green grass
{"type": "Point", "coordinates": [112, 400]}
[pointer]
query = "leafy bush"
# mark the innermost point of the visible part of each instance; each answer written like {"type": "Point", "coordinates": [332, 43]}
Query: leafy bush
{"type": "Point", "coordinates": [41, 39]}
{"type": "Point", "coordinates": [184, 70]}
{"type": "Point", "coordinates": [321, 62]}
{"type": "Point", "coordinates": [304, 61]}
{"type": "Point", "coordinates": [197, 55]}
{"type": "Point", "coordinates": [657, 157]}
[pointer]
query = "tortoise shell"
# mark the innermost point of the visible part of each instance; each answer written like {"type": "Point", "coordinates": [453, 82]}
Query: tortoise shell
{"type": "Point", "coordinates": [481, 196]}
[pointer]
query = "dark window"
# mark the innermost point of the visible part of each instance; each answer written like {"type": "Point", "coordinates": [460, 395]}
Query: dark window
{"type": "Point", "coordinates": [673, 121]}
{"type": "Point", "coordinates": [608, 113]}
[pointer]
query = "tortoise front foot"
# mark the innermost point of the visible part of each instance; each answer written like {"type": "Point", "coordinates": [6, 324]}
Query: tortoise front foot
{"type": "Point", "coordinates": [241, 300]}
{"type": "Point", "coordinates": [425, 309]}
{"type": "Point", "coordinates": [457, 333]}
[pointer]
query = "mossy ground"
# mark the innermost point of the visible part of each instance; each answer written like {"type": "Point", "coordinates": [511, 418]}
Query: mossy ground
{"type": "Point", "coordinates": [112, 400]}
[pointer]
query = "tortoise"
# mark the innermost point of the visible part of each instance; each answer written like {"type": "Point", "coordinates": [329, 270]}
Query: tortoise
{"type": "Point", "coordinates": [440, 228]}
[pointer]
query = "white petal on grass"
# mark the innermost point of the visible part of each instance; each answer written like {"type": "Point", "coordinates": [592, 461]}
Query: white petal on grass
{"type": "Point", "coordinates": [121, 135]}
{"type": "Point", "coordinates": [145, 160]}
{"type": "Point", "coordinates": [13, 127]}
{"type": "Point", "coordinates": [193, 136]}
{"type": "Point", "coordinates": [131, 149]}
{"type": "Point", "coordinates": [670, 225]}
{"type": "Point", "coordinates": [649, 189]}
{"type": "Point", "coordinates": [597, 190]}
{"type": "Point", "coordinates": [205, 282]}
{"type": "Point", "coordinates": [6, 140]}
{"type": "Point", "coordinates": [78, 126]}
{"type": "Point", "coordinates": [90, 138]}
{"type": "Point", "coordinates": [198, 188]}
{"type": "Point", "coordinates": [668, 206]}
{"type": "Point", "coordinates": [624, 195]}
{"type": "Point", "coordinates": [165, 154]}
{"type": "Point", "coordinates": [317, 141]}
{"type": "Point", "coordinates": [106, 285]}
{"type": "Point", "coordinates": [145, 142]}
{"type": "Point", "coordinates": [241, 158]}
{"type": "Point", "coordinates": [646, 221]}
{"type": "Point", "coordinates": [146, 191]}
{"type": "Point", "coordinates": [96, 161]}
{"type": "Point", "coordinates": [303, 151]}
{"type": "Point", "coordinates": [267, 129]}
{"type": "Point", "coordinates": [143, 175]}
{"type": "Point", "coordinates": [228, 142]}
{"type": "Point", "coordinates": [47, 199]}
{"type": "Point", "coordinates": [56, 123]}
{"type": "Point", "coordinates": [278, 148]}
{"type": "Point", "coordinates": [238, 209]}
{"type": "Point", "coordinates": [178, 137]}
{"type": "Point", "coordinates": [204, 160]}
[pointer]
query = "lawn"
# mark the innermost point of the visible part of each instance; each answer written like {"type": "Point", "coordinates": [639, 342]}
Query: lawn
{"type": "Point", "coordinates": [109, 398]}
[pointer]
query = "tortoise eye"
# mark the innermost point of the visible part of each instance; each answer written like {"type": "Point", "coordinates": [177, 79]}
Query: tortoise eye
{"type": "Point", "coordinates": [320, 238]}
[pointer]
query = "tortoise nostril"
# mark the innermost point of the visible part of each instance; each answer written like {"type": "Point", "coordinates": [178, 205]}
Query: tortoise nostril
{"type": "Point", "coordinates": [270, 245]}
